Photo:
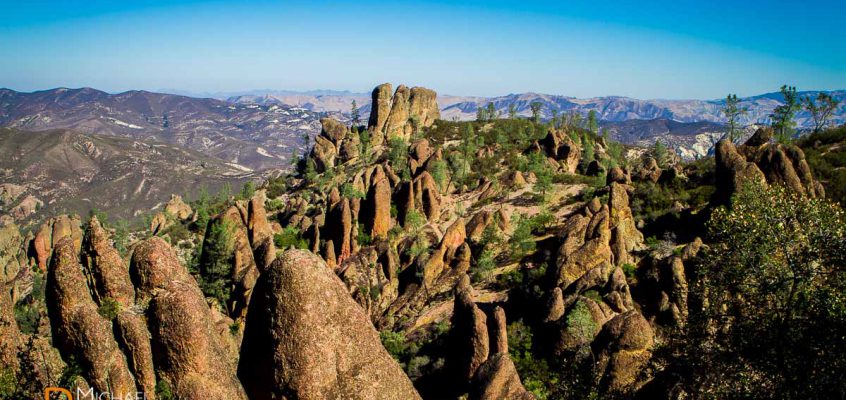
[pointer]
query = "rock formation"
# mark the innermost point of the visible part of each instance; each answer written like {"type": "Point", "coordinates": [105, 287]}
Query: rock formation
{"type": "Point", "coordinates": [306, 338]}
{"type": "Point", "coordinates": [401, 114]}
{"type": "Point", "coordinates": [78, 329]}
{"type": "Point", "coordinates": [188, 353]}
{"type": "Point", "coordinates": [760, 160]}
{"type": "Point", "coordinates": [478, 357]}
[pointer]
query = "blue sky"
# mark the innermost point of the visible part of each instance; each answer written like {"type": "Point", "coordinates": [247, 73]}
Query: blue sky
{"type": "Point", "coordinates": [657, 49]}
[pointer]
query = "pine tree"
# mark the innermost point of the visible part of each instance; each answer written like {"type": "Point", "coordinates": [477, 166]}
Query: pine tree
{"type": "Point", "coordinates": [783, 115]}
{"type": "Point", "coordinates": [354, 114]}
{"type": "Point", "coordinates": [512, 111]}
{"type": "Point", "coordinates": [491, 112]}
{"type": "Point", "coordinates": [732, 110]}
{"type": "Point", "coordinates": [593, 124]}
{"type": "Point", "coordinates": [535, 106]}
{"type": "Point", "coordinates": [821, 109]}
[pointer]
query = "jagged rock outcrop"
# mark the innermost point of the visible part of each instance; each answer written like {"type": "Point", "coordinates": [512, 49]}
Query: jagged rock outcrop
{"type": "Point", "coordinates": [478, 356]}
{"type": "Point", "coordinates": [624, 346]}
{"type": "Point", "coordinates": [376, 208]}
{"type": "Point", "coordinates": [625, 237]}
{"type": "Point", "coordinates": [339, 230]}
{"type": "Point", "coordinates": [227, 241]}
{"type": "Point", "coordinates": [177, 208]}
{"type": "Point", "coordinates": [380, 107]}
{"type": "Point", "coordinates": [10, 336]}
{"type": "Point", "coordinates": [762, 161]}
{"type": "Point", "coordinates": [260, 231]}
{"type": "Point", "coordinates": [371, 274]}
{"type": "Point", "coordinates": [444, 256]}
{"type": "Point", "coordinates": [112, 284]}
{"type": "Point", "coordinates": [187, 352]}
{"type": "Point", "coordinates": [306, 338]}
{"type": "Point", "coordinates": [560, 147]}
{"type": "Point", "coordinates": [401, 114]}
{"type": "Point", "coordinates": [647, 170]}
{"type": "Point", "coordinates": [664, 288]}
{"type": "Point", "coordinates": [78, 329]}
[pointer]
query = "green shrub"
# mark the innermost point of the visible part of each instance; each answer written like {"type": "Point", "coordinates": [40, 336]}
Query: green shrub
{"type": "Point", "coordinates": [290, 237]}
{"type": "Point", "coordinates": [109, 308]}
{"type": "Point", "coordinates": [163, 390]}
{"type": "Point", "coordinates": [630, 270]}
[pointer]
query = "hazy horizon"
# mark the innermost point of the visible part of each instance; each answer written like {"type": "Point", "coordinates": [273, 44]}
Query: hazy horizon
{"type": "Point", "coordinates": [660, 50]}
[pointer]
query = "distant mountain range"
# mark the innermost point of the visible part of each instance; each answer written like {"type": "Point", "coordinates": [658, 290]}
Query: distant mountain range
{"type": "Point", "coordinates": [248, 136]}
{"type": "Point", "coordinates": [609, 108]}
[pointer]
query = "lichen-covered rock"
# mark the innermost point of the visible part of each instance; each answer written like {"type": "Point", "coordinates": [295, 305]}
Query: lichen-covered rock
{"type": "Point", "coordinates": [380, 107]}
{"type": "Point", "coordinates": [377, 205]}
{"type": "Point", "coordinates": [323, 153]}
{"type": "Point", "coordinates": [732, 172]}
{"type": "Point", "coordinates": [78, 329]}
{"type": "Point", "coordinates": [624, 346]}
{"type": "Point", "coordinates": [306, 338]}
{"type": "Point", "coordinates": [260, 232]}
{"type": "Point", "coordinates": [559, 146]}
{"type": "Point", "coordinates": [399, 115]}
{"type": "Point", "coordinates": [177, 208]}
{"type": "Point", "coordinates": [470, 345]}
{"type": "Point", "coordinates": [10, 336]}
{"type": "Point", "coordinates": [625, 237]}
{"type": "Point", "coordinates": [111, 283]}
{"type": "Point", "coordinates": [42, 245]}
{"type": "Point", "coordinates": [443, 256]}
{"type": "Point", "coordinates": [188, 354]}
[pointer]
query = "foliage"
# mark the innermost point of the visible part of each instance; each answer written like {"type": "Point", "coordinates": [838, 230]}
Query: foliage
{"type": "Point", "coordinates": [535, 373]}
{"type": "Point", "coordinates": [398, 157]}
{"type": "Point", "coordinates": [163, 390]}
{"type": "Point", "coordinates": [661, 153]}
{"type": "Point", "coordinates": [438, 169]}
{"type": "Point", "coordinates": [277, 186]}
{"type": "Point", "coordinates": [290, 237]}
{"type": "Point", "coordinates": [349, 191]}
{"type": "Point", "coordinates": [216, 260]}
{"type": "Point", "coordinates": [522, 242]}
{"type": "Point", "coordinates": [825, 153]}
{"type": "Point", "coordinates": [28, 312]}
{"type": "Point", "coordinates": [580, 323]}
{"type": "Point", "coordinates": [535, 106]}
{"type": "Point", "coordinates": [733, 112]}
{"type": "Point", "coordinates": [774, 282]}
{"type": "Point", "coordinates": [820, 108]}
{"type": "Point", "coordinates": [109, 308]}
{"type": "Point", "coordinates": [592, 124]}
{"type": "Point", "coordinates": [783, 115]}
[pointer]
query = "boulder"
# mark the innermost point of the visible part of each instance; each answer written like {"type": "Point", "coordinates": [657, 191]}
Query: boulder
{"type": "Point", "coordinates": [380, 107]}
{"type": "Point", "coordinates": [377, 207]}
{"type": "Point", "coordinates": [177, 208]}
{"type": "Point", "coordinates": [79, 331]}
{"type": "Point", "coordinates": [306, 338]}
{"type": "Point", "coordinates": [260, 232]}
{"type": "Point", "coordinates": [111, 283]}
{"type": "Point", "coordinates": [624, 346]}
{"type": "Point", "coordinates": [625, 237]}
{"type": "Point", "coordinates": [733, 171]}
{"type": "Point", "coordinates": [26, 207]}
{"type": "Point", "coordinates": [324, 154]}
{"type": "Point", "coordinates": [187, 352]}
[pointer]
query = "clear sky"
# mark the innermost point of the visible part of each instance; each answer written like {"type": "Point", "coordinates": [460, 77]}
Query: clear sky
{"type": "Point", "coordinates": [647, 49]}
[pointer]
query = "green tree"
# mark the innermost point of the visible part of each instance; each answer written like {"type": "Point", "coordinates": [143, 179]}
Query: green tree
{"type": "Point", "coordinates": [821, 109]}
{"type": "Point", "coordinates": [481, 114]}
{"type": "Point", "coordinates": [365, 140]}
{"type": "Point", "coordinates": [772, 286]}
{"type": "Point", "coordinates": [398, 157]}
{"type": "Point", "coordinates": [355, 115]}
{"type": "Point", "coordinates": [733, 111]}
{"type": "Point", "coordinates": [536, 106]}
{"type": "Point", "coordinates": [512, 111]}
{"type": "Point", "coordinates": [661, 153]}
{"type": "Point", "coordinates": [593, 124]}
{"type": "Point", "coordinates": [783, 115]}
{"type": "Point", "coordinates": [438, 169]}
{"type": "Point", "coordinates": [216, 258]}
{"type": "Point", "coordinates": [491, 111]}
{"type": "Point", "coordinates": [588, 153]}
